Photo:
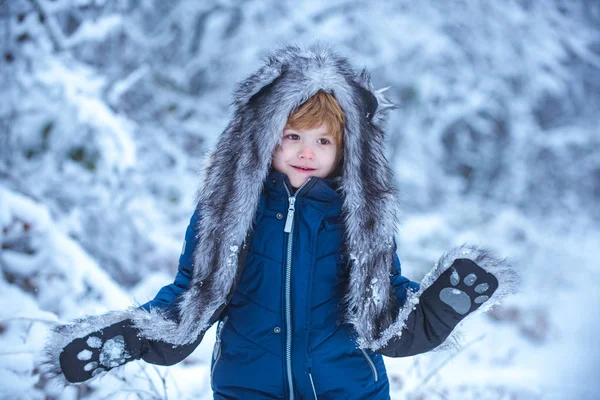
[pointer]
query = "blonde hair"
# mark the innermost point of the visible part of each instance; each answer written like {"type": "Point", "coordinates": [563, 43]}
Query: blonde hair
{"type": "Point", "coordinates": [321, 108]}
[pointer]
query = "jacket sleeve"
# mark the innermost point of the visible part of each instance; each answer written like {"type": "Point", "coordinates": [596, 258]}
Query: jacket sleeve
{"type": "Point", "coordinates": [163, 353]}
{"type": "Point", "coordinates": [422, 331]}
{"type": "Point", "coordinates": [417, 335]}
{"type": "Point", "coordinates": [167, 296]}
{"type": "Point", "coordinates": [400, 284]}
{"type": "Point", "coordinates": [61, 362]}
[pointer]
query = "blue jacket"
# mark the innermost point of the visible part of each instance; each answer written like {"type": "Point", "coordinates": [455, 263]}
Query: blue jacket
{"type": "Point", "coordinates": [282, 330]}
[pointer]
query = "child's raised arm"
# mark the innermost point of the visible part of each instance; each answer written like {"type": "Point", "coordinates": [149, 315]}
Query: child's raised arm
{"type": "Point", "coordinates": [166, 298]}
{"type": "Point", "coordinates": [91, 346]}
{"type": "Point", "coordinates": [460, 283]}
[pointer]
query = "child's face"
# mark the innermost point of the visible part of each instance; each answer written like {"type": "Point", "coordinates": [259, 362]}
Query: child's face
{"type": "Point", "coordinates": [305, 153]}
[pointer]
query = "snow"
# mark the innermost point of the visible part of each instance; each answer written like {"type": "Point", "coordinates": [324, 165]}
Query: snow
{"type": "Point", "coordinates": [536, 346]}
{"type": "Point", "coordinates": [482, 287]}
{"type": "Point", "coordinates": [109, 111]}
{"type": "Point", "coordinates": [481, 299]}
{"type": "Point", "coordinates": [81, 92]}
{"type": "Point", "coordinates": [90, 366]}
{"type": "Point", "coordinates": [455, 278]}
{"type": "Point", "coordinates": [113, 353]}
{"type": "Point", "coordinates": [95, 30]}
{"type": "Point", "coordinates": [84, 355]}
{"type": "Point", "coordinates": [470, 279]}
{"type": "Point", "coordinates": [94, 342]}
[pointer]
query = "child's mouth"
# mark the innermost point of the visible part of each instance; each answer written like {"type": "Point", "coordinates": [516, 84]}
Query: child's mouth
{"type": "Point", "coordinates": [303, 169]}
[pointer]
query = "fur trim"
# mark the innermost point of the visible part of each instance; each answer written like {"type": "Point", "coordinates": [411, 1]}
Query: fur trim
{"type": "Point", "coordinates": [153, 324]}
{"type": "Point", "coordinates": [62, 335]}
{"type": "Point", "coordinates": [508, 280]}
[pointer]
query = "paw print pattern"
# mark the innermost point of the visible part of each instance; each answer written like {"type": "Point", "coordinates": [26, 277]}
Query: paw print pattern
{"type": "Point", "coordinates": [103, 356]}
{"type": "Point", "coordinates": [462, 295]}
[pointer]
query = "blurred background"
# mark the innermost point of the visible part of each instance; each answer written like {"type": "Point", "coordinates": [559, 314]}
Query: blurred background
{"type": "Point", "coordinates": [107, 108]}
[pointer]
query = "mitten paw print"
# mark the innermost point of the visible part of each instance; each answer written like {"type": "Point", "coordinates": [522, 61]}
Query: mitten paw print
{"type": "Point", "coordinates": [464, 292]}
{"type": "Point", "coordinates": [100, 351]}
{"type": "Point", "coordinates": [87, 357]}
{"type": "Point", "coordinates": [103, 356]}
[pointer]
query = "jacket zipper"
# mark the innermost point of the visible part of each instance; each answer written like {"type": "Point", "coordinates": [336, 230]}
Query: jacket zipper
{"type": "Point", "coordinates": [371, 364]}
{"type": "Point", "coordinates": [312, 383]}
{"type": "Point", "coordinates": [289, 224]}
{"type": "Point", "coordinates": [217, 352]}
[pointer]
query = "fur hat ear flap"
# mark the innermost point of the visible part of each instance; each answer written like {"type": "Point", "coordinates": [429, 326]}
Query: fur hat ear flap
{"type": "Point", "coordinates": [377, 104]}
{"type": "Point", "coordinates": [369, 101]}
{"type": "Point", "coordinates": [257, 81]}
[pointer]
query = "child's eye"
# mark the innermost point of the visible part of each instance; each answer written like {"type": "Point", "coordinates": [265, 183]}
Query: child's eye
{"type": "Point", "coordinates": [292, 136]}
{"type": "Point", "coordinates": [323, 141]}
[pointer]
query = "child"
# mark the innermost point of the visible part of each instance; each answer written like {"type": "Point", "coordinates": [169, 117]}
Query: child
{"type": "Point", "coordinates": [291, 250]}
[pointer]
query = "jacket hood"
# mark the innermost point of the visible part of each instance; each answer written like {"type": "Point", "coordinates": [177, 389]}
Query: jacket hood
{"type": "Point", "coordinates": [241, 161]}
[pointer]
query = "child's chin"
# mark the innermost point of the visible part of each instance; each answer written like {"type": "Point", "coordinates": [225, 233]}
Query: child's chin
{"type": "Point", "coordinates": [298, 181]}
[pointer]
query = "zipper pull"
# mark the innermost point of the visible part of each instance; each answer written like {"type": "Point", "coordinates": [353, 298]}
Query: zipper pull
{"type": "Point", "coordinates": [290, 215]}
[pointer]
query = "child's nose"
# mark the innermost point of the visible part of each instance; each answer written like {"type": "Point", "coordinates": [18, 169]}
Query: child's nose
{"type": "Point", "coordinates": [306, 152]}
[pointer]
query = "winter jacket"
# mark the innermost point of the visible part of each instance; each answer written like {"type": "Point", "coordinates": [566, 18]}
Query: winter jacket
{"type": "Point", "coordinates": [283, 328]}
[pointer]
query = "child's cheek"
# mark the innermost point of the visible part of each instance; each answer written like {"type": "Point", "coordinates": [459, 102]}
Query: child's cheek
{"type": "Point", "coordinates": [276, 159]}
{"type": "Point", "coordinates": [276, 152]}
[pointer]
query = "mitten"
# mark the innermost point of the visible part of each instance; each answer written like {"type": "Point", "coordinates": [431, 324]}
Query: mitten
{"type": "Point", "coordinates": [101, 351]}
{"type": "Point", "coordinates": [459, 290]}
{"type": "Point", "coordinates": [92, 346]}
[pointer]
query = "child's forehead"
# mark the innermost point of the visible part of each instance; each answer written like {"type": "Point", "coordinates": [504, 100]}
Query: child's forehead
{"type": "Point", "coordinates": [322, 130]}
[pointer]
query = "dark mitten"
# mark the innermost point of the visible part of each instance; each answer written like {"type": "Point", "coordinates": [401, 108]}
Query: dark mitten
{"type": "Point", "coordinates": [163, 353]}
{"type": "Point", "coordinates": [100, 351]}
{"type": "Point", "coordinates": [460, 290]}
{"type": "Point", "coordinates": [91, 346]}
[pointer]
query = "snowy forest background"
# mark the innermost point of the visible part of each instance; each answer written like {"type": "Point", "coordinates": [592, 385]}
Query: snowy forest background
{"type": "Point", "coordinates": [108, 106]}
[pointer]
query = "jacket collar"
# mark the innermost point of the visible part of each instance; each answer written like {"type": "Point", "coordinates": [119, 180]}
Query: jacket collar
{"type": "Point", "coordinates": [320, 189]}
